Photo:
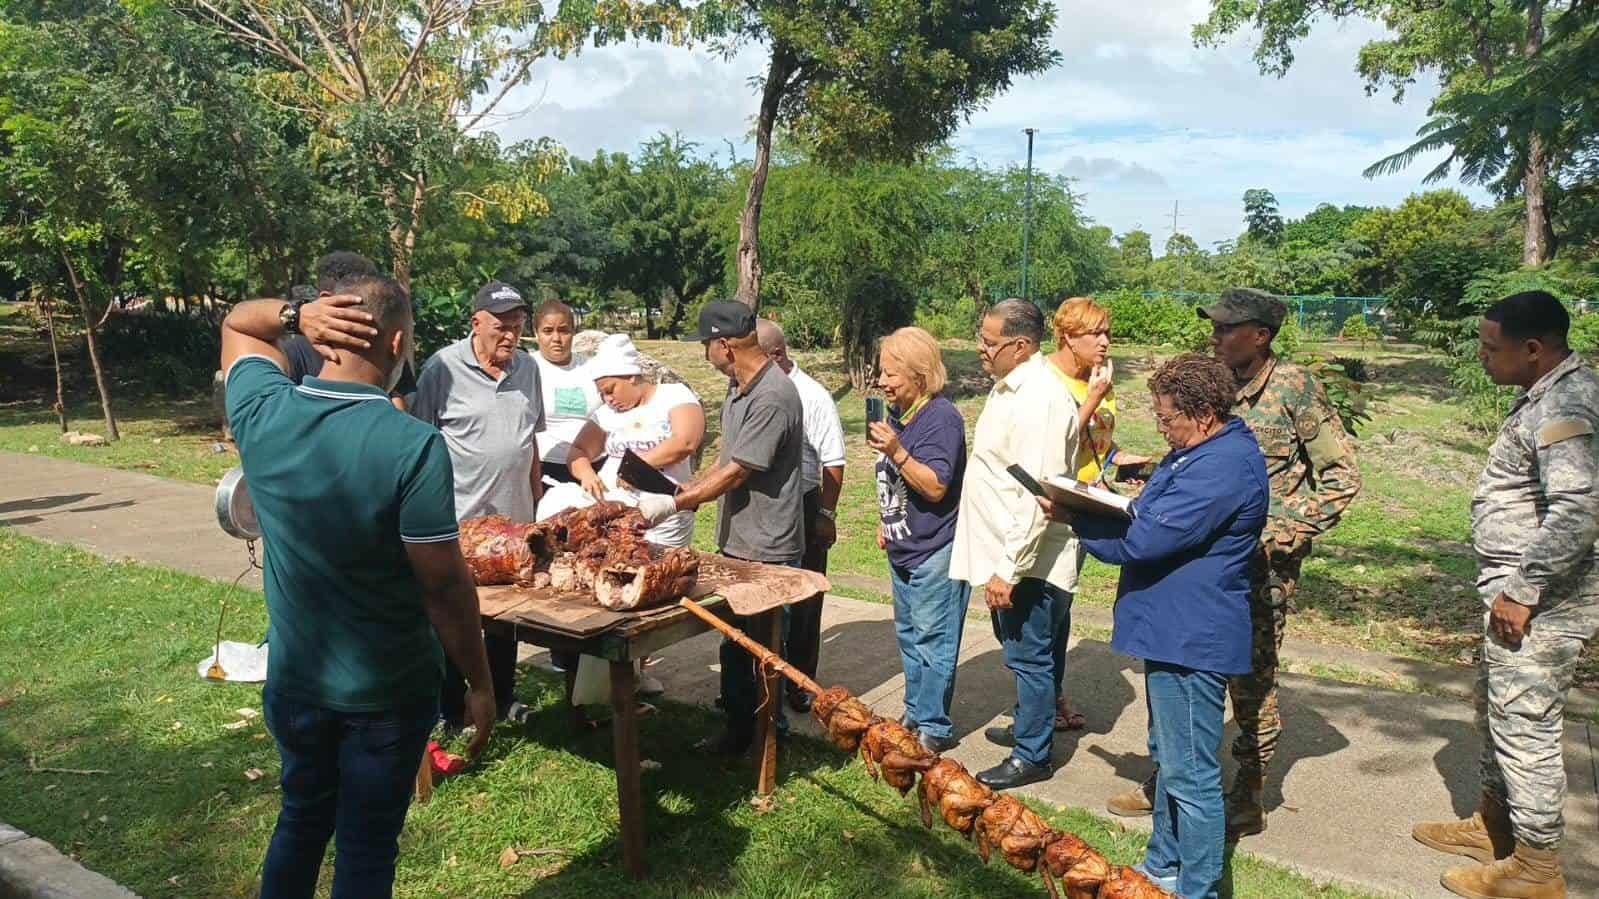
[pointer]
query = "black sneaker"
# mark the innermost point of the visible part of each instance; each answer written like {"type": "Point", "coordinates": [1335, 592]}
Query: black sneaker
{"type": "Point", "coordinates": [1012, 773]}
{"type": "Point", "coordinates": [1001, 736]}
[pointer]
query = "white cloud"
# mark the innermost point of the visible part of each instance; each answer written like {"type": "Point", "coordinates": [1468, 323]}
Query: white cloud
{"type": "Point", "coordinates": [1135, 112]}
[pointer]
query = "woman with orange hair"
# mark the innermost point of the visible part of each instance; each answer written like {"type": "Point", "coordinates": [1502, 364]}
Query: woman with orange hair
{"type": "Point", "coordinates": [1082, 362]}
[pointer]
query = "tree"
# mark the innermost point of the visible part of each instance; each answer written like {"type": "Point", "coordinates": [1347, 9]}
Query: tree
{"type": "Point", "coordinates": [1466, 42]}
{"type": "Point", "coordinates": [660, 209]}
{"type": "Point", "coordinates": [857, 80]}
{"type": "Point", "coordinates": [1264, 223]}
{"type": "Point", "coordinates": [396, 89]}
{"type": "Point", "coordinates": [1423, 252]}
{"type": "Point", "coordinates": [856, 239]}
{"type": "Point", "coordinates": [977, 242]}
{"type": "Point", "coordinates": [1326, 225]}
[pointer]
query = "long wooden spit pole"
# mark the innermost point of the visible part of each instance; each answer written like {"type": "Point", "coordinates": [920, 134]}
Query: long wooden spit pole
{"type": "Point", "coordinates": [763, 655]}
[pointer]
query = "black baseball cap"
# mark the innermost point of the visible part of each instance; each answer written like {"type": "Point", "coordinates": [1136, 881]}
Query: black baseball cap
{"type": "Point", "coordinates": [723, 318]}
{"type": "Point", "coordinates": [497, 297]}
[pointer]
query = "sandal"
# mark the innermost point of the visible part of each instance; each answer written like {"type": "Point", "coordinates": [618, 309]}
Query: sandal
{"type": "Point", "coordinates": [1066, 719]}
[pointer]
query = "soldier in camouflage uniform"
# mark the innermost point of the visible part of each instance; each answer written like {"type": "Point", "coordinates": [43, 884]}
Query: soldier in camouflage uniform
{"type": "Point", "coordinates": [1535, 530]}
{"type": "Point", "coordinates": [1311, 463]}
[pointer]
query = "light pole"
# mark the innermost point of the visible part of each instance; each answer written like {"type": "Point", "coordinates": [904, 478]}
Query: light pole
{"type": "Point", "coordinates": [1027, 214]}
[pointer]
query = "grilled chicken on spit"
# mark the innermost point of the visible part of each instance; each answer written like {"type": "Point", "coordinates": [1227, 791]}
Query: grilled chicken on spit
{"type": "Point", "coordinates": [960, 797]}
{"type": "Point", "coordinates": [897, 752]}
{"type": "Point", "coordinates": [845, 717]}
{"type": "Point", "coordinates": [1081, 870]}
{"type": "Point", "coordinates": [1125, 883]}
{"type": "Point", "coordinates": [1018, 832]}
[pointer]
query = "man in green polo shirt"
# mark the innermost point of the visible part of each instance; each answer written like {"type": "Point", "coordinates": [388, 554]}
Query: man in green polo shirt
{"type": "Point", "coordinates": [364, 579]}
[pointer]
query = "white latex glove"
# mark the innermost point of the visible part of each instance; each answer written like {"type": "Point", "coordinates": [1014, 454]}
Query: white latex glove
{"type": "Point", "coordinates": [656, 507]}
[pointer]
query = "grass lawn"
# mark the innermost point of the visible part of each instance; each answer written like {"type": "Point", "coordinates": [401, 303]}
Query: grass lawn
{"type": "Point", "coordinates": [1395, 575]}
{"type": "Point", "coordinates": [97, 672]}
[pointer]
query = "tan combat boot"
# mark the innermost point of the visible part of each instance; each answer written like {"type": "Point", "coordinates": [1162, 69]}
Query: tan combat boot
{"type": "Point", "coordinates": [1246, 804]}
{"type": "Point", "coordinates": [1135, 803]}
{"type": "Point", "coordinates": [1485, 836]}
{"type": "Point", "coordinates": [1527, 874]}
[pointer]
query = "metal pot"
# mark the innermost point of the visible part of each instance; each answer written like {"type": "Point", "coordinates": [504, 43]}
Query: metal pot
{"type": "Point", "coordinates": [235, 512]}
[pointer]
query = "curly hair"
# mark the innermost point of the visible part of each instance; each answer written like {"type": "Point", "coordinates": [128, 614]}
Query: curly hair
{"type": "Point", "coordinates": [1196, 383]}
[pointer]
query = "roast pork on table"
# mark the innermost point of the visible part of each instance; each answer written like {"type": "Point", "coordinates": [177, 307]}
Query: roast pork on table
{"type": "Point", "coordinates": [498, 550]}
{"type": "Point", "coordinates": [637, 581]}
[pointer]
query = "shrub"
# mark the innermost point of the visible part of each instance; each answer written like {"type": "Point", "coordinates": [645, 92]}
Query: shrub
{"type": "Point", "coordinates": [809, 321]}
{"type": "Point", "coordinates": [1353, 367]}
{"type": "Point", "coordinates": [1355, 328]}
{"type": "Point", "coordinates": [173, 352]}
{"type": "Point", "coordinates": [441, 318]}
{"type": "Point", "coordinates": [1584, 336]}
{"type": "Point", "coordinates": [948, 320]}
{"type": "Point", "coordinates": [1158, 321]}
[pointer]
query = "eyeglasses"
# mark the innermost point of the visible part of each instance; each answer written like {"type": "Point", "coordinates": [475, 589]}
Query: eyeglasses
{"type": "Point", "coordinates": [984, 346]}
{"type": "Point", "coordinates": [1165, 421]}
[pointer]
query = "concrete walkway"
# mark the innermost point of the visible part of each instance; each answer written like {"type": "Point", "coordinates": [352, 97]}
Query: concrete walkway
{"type": "Point", "coordinates": [1357, 766]}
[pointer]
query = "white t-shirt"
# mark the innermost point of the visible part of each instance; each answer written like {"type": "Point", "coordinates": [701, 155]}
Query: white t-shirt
{"type": "Point", "coordinates": [824, 431]}
{"type": "Point", "coordinates": [570, 399]}
{"type": "Point", "coordinates": [642, 428]}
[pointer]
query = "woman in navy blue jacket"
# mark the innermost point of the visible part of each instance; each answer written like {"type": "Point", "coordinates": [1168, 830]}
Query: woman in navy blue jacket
{"type": "Point", "coordinates": [1182, 604]}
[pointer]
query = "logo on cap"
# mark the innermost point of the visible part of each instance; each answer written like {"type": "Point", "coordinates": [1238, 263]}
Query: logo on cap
{"type": "Point", "coordinates": [505, 293]}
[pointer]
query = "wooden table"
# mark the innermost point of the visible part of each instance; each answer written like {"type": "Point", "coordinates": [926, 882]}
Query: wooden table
{"type": "Point", "coordinates": [622, 644]}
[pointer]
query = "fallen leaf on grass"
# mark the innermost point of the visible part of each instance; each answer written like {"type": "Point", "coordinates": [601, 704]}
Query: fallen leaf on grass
{"type": "Point", "coordinates": [848, 834]}
{"type": "Point", "coordinates": [247, 714]}
{"type": "Point", "coordinates": [177, 725]}
{"type": "Point", "coordinates": [761, 804]}
{"type": "Point", "coordinates": [649, 765]}
{"type": "Point", "coordinates": [175, 880]}
{"type": "Point", "coordinates": [207, 764]}
{"type": "Point", "coordinates": [253, 774]}
{"type": "Point", "coordinates": [236, 725]}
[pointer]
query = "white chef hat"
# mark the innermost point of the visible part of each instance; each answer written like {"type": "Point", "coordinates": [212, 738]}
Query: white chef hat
{"type": "Point", "coordinates": [616, 357]}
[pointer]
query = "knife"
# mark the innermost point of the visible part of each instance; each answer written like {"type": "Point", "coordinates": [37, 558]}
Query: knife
{"type": "Point", "coordinates": [644, 476]}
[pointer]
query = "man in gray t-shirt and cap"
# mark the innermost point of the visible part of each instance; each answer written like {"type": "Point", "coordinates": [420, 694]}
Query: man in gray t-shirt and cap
{"type": "Point", "coordinates": [483, 394]}
{"type": "Point", "coordinates": [757, 480]}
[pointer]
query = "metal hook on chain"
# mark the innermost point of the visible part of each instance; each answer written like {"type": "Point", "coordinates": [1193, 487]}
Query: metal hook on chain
{"type": "Point", "coordinates": [216, 671]}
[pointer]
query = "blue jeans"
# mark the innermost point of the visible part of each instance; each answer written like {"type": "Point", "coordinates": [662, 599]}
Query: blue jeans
{"type": "Point", "coordinates": [740, 685]}
{"type": "Point", "coordinates": [1026, 634]}
{"type": "Point", "coordinates": [344, 772]}
{"type": "Point", "coordinates": [1190, 820]}
{"type": "Point", "coordinates": [929, 610]}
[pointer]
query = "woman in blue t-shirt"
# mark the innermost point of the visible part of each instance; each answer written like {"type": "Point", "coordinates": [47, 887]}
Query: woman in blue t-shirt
{"type": "Point", "coordinates": [921, 459]}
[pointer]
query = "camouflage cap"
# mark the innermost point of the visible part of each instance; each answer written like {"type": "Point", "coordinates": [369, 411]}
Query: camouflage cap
{"type": "Point", "coordinates": [1245, 304]}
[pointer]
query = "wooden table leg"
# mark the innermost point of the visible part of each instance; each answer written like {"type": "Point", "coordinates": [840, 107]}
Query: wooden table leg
{"type": "Point", "coordinates": [770, 627]}
{"type": "Point", "coordinates": [629, 792]}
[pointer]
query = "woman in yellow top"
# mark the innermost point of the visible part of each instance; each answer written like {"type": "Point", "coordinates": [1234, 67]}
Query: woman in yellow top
{"type": "Point", "coordinates": [1082, 362]}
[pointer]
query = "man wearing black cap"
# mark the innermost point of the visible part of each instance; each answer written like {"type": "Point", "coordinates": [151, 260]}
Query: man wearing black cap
{"type": "Point", "coordinates": [757, 480]}
{"type": "Point", "coordinates": [1311, 463]}
{"type": "Point", "coordinates": [483, 394]}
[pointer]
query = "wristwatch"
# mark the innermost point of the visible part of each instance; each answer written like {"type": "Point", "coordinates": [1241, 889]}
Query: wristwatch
{"type": "Point", "coordinates": [289, 316]}
{"type": "Point", "coordinates": [828, 514]}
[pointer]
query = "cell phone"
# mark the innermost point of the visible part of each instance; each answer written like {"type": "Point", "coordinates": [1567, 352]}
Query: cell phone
{"type": "Point", "coordinates": [876, 409]}
{"type": "Point", "coordinates": [1026, 480]}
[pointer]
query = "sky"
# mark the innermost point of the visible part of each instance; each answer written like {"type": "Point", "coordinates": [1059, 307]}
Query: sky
{"type": "Point", "coordinates": [1138, 115]}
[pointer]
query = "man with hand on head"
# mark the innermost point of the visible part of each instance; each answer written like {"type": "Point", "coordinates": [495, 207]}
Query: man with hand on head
{"type": "Point", "coordinates": [1535, 529]}
{"type": "Point", "coordinates": [483, 394]}
{"type": "Point", "coordinates": [757, 482]}
{"type": "Point", "coordinates": [1024, 564]}
{"type": "Point", "coordinates": [823, 479]}
{"type": "Point", "coordinates": [364, 580]}
{"type": "Point", "coordinates": [304, 359]}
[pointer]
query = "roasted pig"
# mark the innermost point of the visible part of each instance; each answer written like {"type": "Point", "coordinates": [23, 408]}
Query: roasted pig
{"type": "Point", "coordinates": [498, 550]}
{"type": "Point", "coordinates": [630, 581]}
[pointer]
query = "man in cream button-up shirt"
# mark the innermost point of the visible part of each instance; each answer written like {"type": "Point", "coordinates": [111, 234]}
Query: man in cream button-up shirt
{"type": "Point", "coordinates": [1025, 565]}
